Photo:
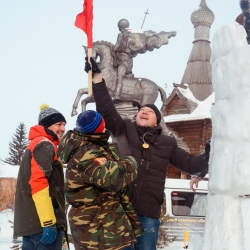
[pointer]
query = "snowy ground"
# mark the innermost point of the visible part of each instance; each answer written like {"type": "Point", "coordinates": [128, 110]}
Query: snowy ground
{"type": "Point", "coordinates": [7, 216]}
{"type": "Point", "coordinates": [6, 232]}
{"type": "Point", "coordinates": [6, 229]}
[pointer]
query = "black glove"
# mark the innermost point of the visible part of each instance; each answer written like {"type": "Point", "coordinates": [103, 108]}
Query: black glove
{"type": "Point", "coordinates": [95, 68]}
{"type": "Point", "coordinates": [207, 150]}
{"type": "Point", "coordinates": [87, 65]}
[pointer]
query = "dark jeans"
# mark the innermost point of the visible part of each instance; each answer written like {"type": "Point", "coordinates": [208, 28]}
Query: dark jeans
{"type": "Point", "coordinates": [149, 239]}
{"type": "Point", "coordinates": [128, 248]}
{"type": "Point", "coordinates": [32, 242]}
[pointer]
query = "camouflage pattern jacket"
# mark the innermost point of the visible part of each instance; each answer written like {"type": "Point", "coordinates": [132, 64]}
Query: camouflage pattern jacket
{"type": "Point", "coordinates": [101, 216]}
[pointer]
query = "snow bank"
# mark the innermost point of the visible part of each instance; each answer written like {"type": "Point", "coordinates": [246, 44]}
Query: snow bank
{"type": "Point", "coordinates": [8, 171]}
{"type": "Point", "coordinates": [227, 217]}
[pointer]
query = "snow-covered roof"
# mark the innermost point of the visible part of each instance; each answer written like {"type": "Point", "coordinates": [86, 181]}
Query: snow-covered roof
{"type": "Point", "coordinates": [188, 93]}
{"type": "Point", "coordinates": [8, 171]}
{"type": "Point", "coordinates": [201, 112]}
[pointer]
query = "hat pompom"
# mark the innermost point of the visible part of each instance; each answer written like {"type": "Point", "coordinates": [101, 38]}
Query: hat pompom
{"type": "Point", "coordinates": [49, 116]}
{"type": "Point", "coordinates": [44, 106]}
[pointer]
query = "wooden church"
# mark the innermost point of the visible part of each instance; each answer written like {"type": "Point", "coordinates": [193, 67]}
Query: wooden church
{"type": "Point", "coordinates": [187, 113]}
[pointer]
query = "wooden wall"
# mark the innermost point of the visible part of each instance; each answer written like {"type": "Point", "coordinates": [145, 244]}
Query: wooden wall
{"type": "Point", "coordinates": [176, 106]}
{"type": "Point", "coordinates": [7, 193]}
{"type": "Point", "coordinates": [179, 106]}
{"type": "Point", "coordinates": [196, 134]}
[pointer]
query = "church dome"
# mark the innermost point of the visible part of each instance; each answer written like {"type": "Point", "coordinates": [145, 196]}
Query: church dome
{"type": "Point", "coordinates": [203, 15]}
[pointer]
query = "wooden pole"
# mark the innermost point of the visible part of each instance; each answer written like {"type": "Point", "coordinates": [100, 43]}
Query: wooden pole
{"type": "Point", "coordinates": [90, 92]}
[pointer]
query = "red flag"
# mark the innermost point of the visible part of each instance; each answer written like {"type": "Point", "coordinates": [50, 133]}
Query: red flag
{"type": "Point", "coordinates": [84, 20]}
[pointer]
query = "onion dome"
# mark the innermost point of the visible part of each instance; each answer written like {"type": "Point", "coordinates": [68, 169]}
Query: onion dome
{"type": "Point", "coordinates": [203, 15]}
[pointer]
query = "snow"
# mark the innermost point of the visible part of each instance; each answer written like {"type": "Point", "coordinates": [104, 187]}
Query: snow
{"type": "Point", "coordinates": [188, 94]}
{"type": "Point", "coordinates": [7, 216]}
{"type": "Point", "coordinates": [202, 111]}
{"type": "Point", "coordinates": [8, 171]}
{"type": "Point", "coordinates": [228, 216]}
{"type": "Point", "coordinates": [6, 231]}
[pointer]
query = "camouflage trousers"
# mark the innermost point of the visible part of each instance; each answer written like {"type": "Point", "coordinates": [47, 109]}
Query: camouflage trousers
{"type": "Point", "coordinates": [101, 227]}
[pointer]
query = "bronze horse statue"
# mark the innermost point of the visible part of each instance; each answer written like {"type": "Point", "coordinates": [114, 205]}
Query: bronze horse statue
{"type": "Point", "coordinates": [140, 90]}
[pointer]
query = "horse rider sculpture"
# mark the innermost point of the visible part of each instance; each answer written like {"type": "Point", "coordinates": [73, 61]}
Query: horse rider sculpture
{"type": "Point", "coordinates": [123, 60]}
{"type": "Point", "coordinates": [116, 63]}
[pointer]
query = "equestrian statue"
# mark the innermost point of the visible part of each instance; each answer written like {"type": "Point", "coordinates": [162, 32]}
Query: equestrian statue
{"type": "Point", "coordinates": [116, 63]}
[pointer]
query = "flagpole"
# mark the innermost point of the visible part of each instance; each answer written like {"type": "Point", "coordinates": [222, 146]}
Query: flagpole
{"type": "Point", "coordinates": [90, 92]}
{"type": "Point", "coordinates": [84, 21]}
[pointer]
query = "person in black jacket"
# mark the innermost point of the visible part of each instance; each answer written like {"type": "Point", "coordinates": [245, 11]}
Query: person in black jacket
{"type": "Point", "coordinates": [153, 152]}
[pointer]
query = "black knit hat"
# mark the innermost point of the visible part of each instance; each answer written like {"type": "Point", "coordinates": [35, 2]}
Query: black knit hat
{"type": "Point", "coordinates": [49, 116]}
{"type": "Point", "coordinates": [156, 110]}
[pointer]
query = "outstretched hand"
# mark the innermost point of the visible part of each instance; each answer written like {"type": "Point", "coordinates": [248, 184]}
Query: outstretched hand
{"type": "Point", "coordinates": [95, 68]}
{"type": "Point", "coordinates": [194, 181]}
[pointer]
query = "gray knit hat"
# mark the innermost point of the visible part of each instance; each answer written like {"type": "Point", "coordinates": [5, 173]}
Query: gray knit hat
{"type": "Point", "coordinates": [49, 116]}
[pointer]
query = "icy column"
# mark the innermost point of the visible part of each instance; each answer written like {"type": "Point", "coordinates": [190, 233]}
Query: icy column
{"type": "Point", "coordinates": [228, 214]}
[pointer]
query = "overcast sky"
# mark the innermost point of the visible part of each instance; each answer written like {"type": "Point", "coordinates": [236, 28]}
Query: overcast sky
{"type": "Point", "coordinates": [42, 59]}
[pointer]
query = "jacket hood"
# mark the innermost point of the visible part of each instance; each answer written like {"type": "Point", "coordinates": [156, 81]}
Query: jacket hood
{"type": "Point", "coordinates": [73, 140]}
{"type": "Point", "coordinates": [39, 130]}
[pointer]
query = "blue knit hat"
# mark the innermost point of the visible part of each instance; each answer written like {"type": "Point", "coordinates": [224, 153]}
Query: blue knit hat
{"type": "Point", "coordinates": [90, 121]}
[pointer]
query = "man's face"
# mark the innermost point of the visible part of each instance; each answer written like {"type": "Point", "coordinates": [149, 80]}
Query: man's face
{"type": "Point", "coordinates": [146, 117]}
{"type": "Point", "coordinates": [58, 128]}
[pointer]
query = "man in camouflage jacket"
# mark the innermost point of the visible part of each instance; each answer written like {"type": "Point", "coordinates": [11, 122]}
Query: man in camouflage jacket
{"type": "Point", "coordinates": [101, 216]}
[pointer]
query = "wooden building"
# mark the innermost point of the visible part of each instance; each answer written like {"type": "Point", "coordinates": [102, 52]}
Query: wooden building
{"type": "Point", "coordinates": [8, 180]}
{"type": "Point", "coordinates": [190, 119]}
{"type": "Point", "coordinates": [187, 112]}
{"type": "Point", "coordinates": [7, 193]}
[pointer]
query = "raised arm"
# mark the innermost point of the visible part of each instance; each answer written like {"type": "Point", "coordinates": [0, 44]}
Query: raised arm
{"type": "Point", "coordinates": [104, 103]}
